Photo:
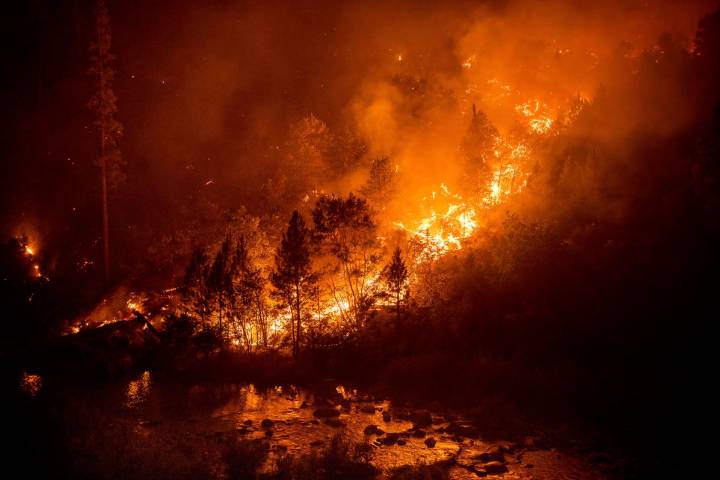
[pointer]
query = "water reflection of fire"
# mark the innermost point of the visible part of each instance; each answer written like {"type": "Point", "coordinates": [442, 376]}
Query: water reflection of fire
{"type": "Point", "coordinates": [138, 390]}
{"type": "Point", "coordinates": [30, 384]}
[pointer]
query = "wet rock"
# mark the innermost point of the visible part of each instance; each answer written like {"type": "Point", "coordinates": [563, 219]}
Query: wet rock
{"type": "Point", "coordinates": [267, 423]}
{"type": "Point", "coordinates": [326, 412]}
{"type": "Point", "coordinates": [386, 417]}
{"type": "Point", "coordinates": [529, 465]}
{"type": "Point", "coordinates": [401, 441]}
{"type": "Point", "coordinates": [248, 422]}
{"type": "Point", "coordinates": [479, 471]}
{"type": "Point", "coordinates": [371, 430]}
{"type": "Point", "coordinates": [391, 438]}
{"type": "Point", "coordinates": [315, 422]}
{"type": "Point", "coordinates": [304, 405]}
{"type": "Point", "coordinates": [495, 454]}
{"type": "Point", "coordinates": [462, 429]}
{"type": "Point", "coordinates": [317, 443]}
{"type": "Point", "coordinates": [418, 433]}
{"type": "Point", "coordinates": [430, 442]}
{"type": "Point", "coordinates": [495, 467]}
{"type": "Point", "coordinates": [334, 422]}
{"type": "Point", "coordinates": [268, 433]}
{"type": "Point", "coordinates": [422, 418]}
{"type": "Point", "coordinates": [369, 409]}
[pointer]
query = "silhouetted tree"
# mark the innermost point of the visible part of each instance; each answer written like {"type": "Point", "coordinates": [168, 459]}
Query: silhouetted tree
{"type": "Point", "coordinates": [104, 104]}
{"type": "Point", "coordinates": [476, 148]}
{"type": "Point", "coordinates": [395, 275]}
{"type": "Point", "coordinates": [193, 288]}
{"type": "Point", "coordinates": [219, 281]}
{"type": "Point", "coordinates": [347, 234]}
{"type": "Point", "coordinates": [381, 183]}
{"type": "Point", "coordinates": [245, 290]}
{"type": "Point", "coordinates": [309, 146]}
{"type": "Point", "coordinates": [293, 278]}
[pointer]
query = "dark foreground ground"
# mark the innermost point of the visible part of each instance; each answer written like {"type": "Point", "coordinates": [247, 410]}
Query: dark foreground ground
{"type": "Point", "coordinates": [333, 414]}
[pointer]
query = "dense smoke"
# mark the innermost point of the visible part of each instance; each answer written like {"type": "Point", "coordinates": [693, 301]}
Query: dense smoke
{"type": "Point", "coordinates": [209, 94]}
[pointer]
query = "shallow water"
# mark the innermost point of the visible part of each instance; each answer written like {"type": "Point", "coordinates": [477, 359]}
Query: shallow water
{"type": "Point", "coordinates": [145, 417]}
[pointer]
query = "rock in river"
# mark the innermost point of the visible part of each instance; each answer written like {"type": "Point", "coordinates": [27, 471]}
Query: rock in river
{"type": "Point", "coordinates": [326, 412]}
{"type": "Point", "coordinates": [495, 467]}
{"type": "Point", "coordinates": [430, 442]}
{"type": "Point", "coordinates": [391, 438]}
{"type": "Point", "coordinates": [371, 430]}
{"type": "Point", "coordinates": [267, 423]}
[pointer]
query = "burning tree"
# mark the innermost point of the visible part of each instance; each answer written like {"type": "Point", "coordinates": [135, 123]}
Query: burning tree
{"type": "Point", "coordinates": [293, 278]}
{"type": "Point", "coordinates": [194, 289]}
{"type": "Point", "coordinates": [104, 104]}
{"type": "Point", "coordinates": [347, 235]}
{"type": "Point", "coordinates": [476, 149]}
{"type": "Point", "coordinates": [246, 285]}
{"type": "Point", "coordinates": [219, 282]}
{"type": "Point", "coordinates": [381, 184]}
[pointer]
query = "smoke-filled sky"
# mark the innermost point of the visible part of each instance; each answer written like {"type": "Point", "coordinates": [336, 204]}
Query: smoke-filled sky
{"type": "Point", "coordinates": [208, 90]}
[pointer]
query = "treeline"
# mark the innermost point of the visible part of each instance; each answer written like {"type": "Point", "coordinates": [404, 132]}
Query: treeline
{"type": "Point", "coordinates": [317, 286]}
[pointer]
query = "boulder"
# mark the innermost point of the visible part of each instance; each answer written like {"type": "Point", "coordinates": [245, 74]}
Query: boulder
{"type": "Point", "coordinates": [494, 454]}
{"type": "Point", "coordinates": [391, 438]}
{"type": "Point", "coordinates": [430, 442]}
{"type": "Point", "coordinates": [326, 412]}
{"type": "Point", "coordinates": [421, 418]}
{"type": "Point", "coordinates": [371, 430]}
{"type": "Point", "coordinates": [495, 467]}
{"type": "Point", "coordinates": [386, 417]}
{"type": "Point", "coordinates": [267, 423]}
{"type": "Point", "coordinates": [334, 422]}
{"type": "Point", "coordinates": [462, 429]}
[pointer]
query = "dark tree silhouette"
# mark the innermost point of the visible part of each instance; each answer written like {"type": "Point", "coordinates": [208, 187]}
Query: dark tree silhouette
{"type": "Point", "coordinates": [347, 234]}
{"type": "Point", "coordinates": [104, 104]}
{"type": "Point", "coordinates": [395, 275]}
{"type": "Point", "coordinates": [245, 286]}
{"type": "Point", "coordinates": [219, 280]}
{"type": "Point", "coordinates": [293, 278]}
{"type": "Point", "coordinates": [193, 288]}
{"type": "Point", "coordinates": [381, 183]}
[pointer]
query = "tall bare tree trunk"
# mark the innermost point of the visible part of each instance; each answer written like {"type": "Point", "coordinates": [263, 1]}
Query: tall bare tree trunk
{"type": "Point", "coordinates": [297, 310]}
{"type": "Point", "coordinates": [106, 220]}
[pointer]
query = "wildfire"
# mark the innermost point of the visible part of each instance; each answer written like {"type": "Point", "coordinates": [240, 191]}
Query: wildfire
{"type": "Point", "coordinates": [440, 233]}
{"type": "Point", "coordinates": [538, 115]}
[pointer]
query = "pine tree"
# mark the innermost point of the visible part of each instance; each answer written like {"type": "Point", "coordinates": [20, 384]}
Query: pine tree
{"type": "Point", "coordinates": [347, 234]}
{"type": "Point", "coordinates": [193, 289]}
{"type": "Point", "coordinates": [395, 275]}
{"type": "Point", "coordinates": [293, 278]}
{"type": "Point", "coordinates": [219, 281]}
{"type": "Point", "coordinates": [104, 104]}
{"type": "Point", "coordinates": [381, 183]}
{"type": "Point", "coordinates": [245, 286]}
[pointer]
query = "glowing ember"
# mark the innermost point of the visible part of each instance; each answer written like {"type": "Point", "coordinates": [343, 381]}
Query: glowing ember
{"type": "Point", "coordinates": [138, 390]}
{"type": "Point", "coordinates": [31, 384]}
